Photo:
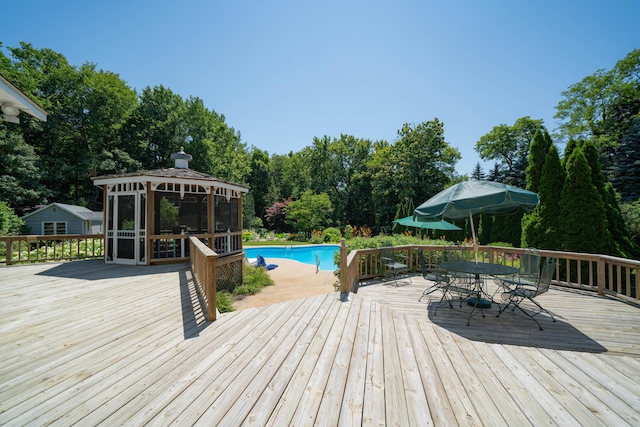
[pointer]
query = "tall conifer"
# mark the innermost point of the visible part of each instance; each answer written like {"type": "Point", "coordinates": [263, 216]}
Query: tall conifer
{"type": "Point", "coordinates": [553, 177]}
{"type": "Point", "coordinates": [582, 209]}
{"type": "Point", "coordinates": [531, 231]}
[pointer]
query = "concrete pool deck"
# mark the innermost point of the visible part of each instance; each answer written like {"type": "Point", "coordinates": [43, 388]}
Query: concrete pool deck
{"type": "Point", "coordinates": [292, 280]}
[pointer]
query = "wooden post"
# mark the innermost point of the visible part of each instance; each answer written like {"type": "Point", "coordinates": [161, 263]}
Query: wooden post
{"type": "Point", "coordinates": [9, 249]}
{"type": "Point", "coordinates": [211, 286]}
{"type": "Point", "coordinates": [149, 227]}
{"type": "Point", "coordinates": [344, 279]}
{"type": "Point", "coordinates": [601, 276]}
{"type": "Point", "coordinates": [211, 217]}
{"type": "Point", "coordinates": [105, 213]}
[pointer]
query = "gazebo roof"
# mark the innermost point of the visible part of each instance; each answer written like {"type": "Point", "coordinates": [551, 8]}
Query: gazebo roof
{"type": "Point", "coordinates": [177, 175]}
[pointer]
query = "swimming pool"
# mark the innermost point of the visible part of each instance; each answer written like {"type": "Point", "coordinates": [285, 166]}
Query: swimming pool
{"type": "Point", "coordinates": [305, 254]}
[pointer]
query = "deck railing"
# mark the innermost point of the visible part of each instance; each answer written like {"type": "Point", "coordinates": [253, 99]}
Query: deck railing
{"type": "Point", "coordinates": [598, 273]}
{"type": "Point", "coordinates": [63, 247]}
{"type": "Point", "coordinates": [41, 248]}
{"type": "Point", "coordinates": [175, 247]}
{"type": "Point", "coordinates": [203, 264]}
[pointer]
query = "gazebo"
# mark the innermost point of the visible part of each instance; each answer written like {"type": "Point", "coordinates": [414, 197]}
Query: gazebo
{"type": "Point", "coordinates": [149, 215]}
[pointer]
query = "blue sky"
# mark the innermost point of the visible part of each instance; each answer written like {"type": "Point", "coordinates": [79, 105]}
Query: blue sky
{"type": "Point", "coordinates": [282, 72]}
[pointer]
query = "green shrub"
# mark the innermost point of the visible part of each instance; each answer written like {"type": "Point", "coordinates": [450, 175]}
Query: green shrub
{"type": "Point", "coordinates": [501, 244]}
{"type": "Point", "coordinates": [247, 236]}
{"type": "Point", "coordinates": [316, 240]}
{"type": "Point", "coordinates": [348, 232]}
{"type": "Point", "coordinates": [224, 302]}
{"type": "Point", "coordinates": [297, 237]}
{"type": "Point", "coordinates": [331, 235]}
{"type": "Point", "coordinates": [254, 279]}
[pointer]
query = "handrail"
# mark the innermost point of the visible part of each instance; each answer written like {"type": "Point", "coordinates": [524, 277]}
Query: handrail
{"type": "Point", "coordinates": [203, 263]}
{"type": "Point", "coordinates": [173, 247]}
{"type": "Point", "coordinates": [604, 274]}
{"type": "Point", "coordinates": [52, 247]}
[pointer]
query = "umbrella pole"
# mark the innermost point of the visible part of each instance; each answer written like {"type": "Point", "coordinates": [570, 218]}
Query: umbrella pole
{"type": "Point", "coordinates": [473, 233]}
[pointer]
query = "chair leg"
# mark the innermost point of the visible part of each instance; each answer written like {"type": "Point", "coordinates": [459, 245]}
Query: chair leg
{"type": "Point", "coordinates": [530, 316]}
{"type": "Point", "coordinates": [429, 290]}
{"type": "Point", "coordinates": [543, 309]}
{"type": "Point", "coordinates": [444, 296]}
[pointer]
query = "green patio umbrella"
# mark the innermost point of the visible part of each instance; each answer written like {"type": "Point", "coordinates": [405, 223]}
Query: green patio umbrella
{"type": "Point", "coordinates": [434, 225]}
{"type": "Point", "coordinates": [469, 198]}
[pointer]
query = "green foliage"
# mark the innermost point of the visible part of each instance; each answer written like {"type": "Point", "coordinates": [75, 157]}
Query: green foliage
{"type": "Point", "coordinates": [168, 214]}
{"type": "Point", "coordinates": [260, 181]}
{"type": "Point", "coordinates": [509, 146]}
{"type": "Point", "coordinates": [532, 231]}
{"type": "Point", "coordinates": [542, 228]}
{"type": "Point", "coordinates": [507, 228]}
{"type": "Point", "coordinates": [20, 179]}
{"type": "Point", "coordinates": [253, 280]}
{"type": "Point", "coordinates": [348, 231]}
{"type": "Point", "coordinates": [298, 237]}
{"type": "Point", "coordinates": [631, 213]}
{"type": "Point", "coordinates": [224, 302]}
{"type": "Point", "coordinates": [626, 173]}
{"type": "Point", "coordinates": [55, 250]}
{"type": "Point", "coordinates": [537, 154]}
{"type": "Point", "coordinates": [331, 235]}
{"type": "Point", "coordinates": [10, 223]}
{"type": "Point", "coordinates": [478, 173]}
{"type": "Point", "coordinates": [603, 108]}
{"type": "Point", "coordinates": [310, 212]}
{"type": "Point", "coordinates": [582, 210]}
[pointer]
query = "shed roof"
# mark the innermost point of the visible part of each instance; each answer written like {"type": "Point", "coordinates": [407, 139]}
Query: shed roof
{"type": "Point", "coordinates": [81, 212]}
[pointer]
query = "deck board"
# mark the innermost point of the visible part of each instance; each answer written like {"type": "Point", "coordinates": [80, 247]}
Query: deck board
{"type": "Point", "coordinates": [94, 344]}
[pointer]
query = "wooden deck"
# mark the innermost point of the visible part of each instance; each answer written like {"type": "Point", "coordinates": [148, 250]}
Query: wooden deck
{"type": "Point", "coordinates": [92, 344]}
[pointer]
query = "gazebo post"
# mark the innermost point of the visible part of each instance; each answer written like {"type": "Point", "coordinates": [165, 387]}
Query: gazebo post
{"type": "Point", "coordinates": [150, 218]}
{"type": "Point", "coordinates": [212, 220]}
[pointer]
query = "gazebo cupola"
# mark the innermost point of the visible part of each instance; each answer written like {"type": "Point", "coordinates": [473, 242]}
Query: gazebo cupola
{"type": "Point", "coordinates": [148, 214]}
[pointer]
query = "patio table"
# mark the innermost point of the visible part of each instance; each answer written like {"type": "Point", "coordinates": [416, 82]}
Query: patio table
{"type": "Point", "coordinates": [486, 268]}
{"type": "Point", "coordinates": [482, 299]}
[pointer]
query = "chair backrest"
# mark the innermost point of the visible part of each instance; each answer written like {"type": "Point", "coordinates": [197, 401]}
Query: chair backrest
{"type": "Point", "coordinates": [530, 263]}
{"type": "Point", "coordinates": [422, 263]}
{"type": "Point", "coordinates": [548, 269]}
{"type": "Point", "coordinates": [261, 262]}
{"type": "Point", "coordinates": [387, 254]}
{"type": "Point", "coordinates": [436, 273]}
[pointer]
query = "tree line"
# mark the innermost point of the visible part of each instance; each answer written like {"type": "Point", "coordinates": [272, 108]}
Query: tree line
{"type": "Point", "coordinates": [98, 125]}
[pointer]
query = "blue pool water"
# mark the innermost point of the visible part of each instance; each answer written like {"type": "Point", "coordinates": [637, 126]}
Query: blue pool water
{"type": "Point", "coordinates": [305, 254]}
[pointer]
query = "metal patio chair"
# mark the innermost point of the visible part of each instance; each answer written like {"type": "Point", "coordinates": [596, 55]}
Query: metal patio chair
{"type": "Point", "coordinates": [434, 273]}
{"type": "Point", "coordinates": [527, 275]}
{"type": "Point", "coordinates": [530, 292]}
{"type": "Point", "coordinates": [391, 262]}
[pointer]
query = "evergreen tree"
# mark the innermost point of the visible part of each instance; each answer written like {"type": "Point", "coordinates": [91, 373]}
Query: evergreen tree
{"type": "Point", "coordinates": [507, 229]}
{"type": "Point", "coordinates": [537, 154]}
{"type": "Point", "coordinates": [494, 174]}
{"type": "Point", "coordinates": [542, 231]}
{"type": "Point", "coordinates": [571, 145]}
{"type": "Point", "coordinates": [610, 205]}
{"type": "Point", "coordinates": [617, 225]}
{"type": "Point", "coordinates": [478, 173]}
{"type": "Point", "coordinates": [583, 216]}
{"type": "Point", "coordinates": [531, 230]}
{"type": "Point", "coordinates": [401, 212]}
{"type": "Point", "coordinates": [626, 172]}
